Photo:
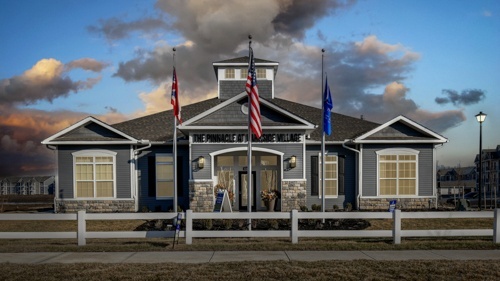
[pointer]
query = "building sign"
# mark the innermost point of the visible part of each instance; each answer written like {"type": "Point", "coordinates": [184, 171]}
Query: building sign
{"type": "Point", "coordinates": [242, 138]}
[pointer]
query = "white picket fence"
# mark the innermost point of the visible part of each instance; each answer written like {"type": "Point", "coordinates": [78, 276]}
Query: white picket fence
{"type": "Point", "coordinates": [294, 233]}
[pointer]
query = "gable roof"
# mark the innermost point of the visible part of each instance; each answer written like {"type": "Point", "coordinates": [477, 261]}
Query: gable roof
{"type": "Point", "coordinates": [90, 130]}
{"type": "Point", "coordinates": [229, 115]}
{"type": "Point", "coordinates": [401, 130]}
{"type": "Point", "coordinates": [158, 127]}
{"type": "Point", "coordinates": [244, 60]}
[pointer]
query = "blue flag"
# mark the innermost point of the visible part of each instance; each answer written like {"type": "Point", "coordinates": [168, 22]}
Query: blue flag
{"type": "Point", "coordinates": [327, 109]}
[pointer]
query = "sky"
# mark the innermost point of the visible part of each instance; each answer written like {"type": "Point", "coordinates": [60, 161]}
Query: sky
{"type": "Point", "coordinates": [435, 62]}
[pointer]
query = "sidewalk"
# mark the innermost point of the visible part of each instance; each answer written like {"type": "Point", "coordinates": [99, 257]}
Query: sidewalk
{"type": "Point", "coordinates": [226, 256]}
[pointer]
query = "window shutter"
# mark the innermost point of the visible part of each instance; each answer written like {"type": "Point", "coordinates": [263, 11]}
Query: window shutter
{"type": "Point", "coordinates": [180, 183]}
{"type": "Point", "coordinates": [151, 176]}
{"type": "Point", "coordinates": [341, 173]}
{"type": "Point", "coordinates": [314, 175]}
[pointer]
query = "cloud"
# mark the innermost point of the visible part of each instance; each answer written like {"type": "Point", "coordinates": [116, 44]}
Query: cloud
{"type": "Point", "coordinates": [354, 69]}
{"type": "Point", "coordinates": [22, 130]}
{"type": "Point", "coordinates": [87, 64]}
{"type": "Point", "coordinates": [47, 80]}
{"type": "Point", "coordinates": [466, 97]}
{"type": "Point", "coordinates": [116, 28]}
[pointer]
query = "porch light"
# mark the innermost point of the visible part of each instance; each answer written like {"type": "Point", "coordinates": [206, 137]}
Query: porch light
{"type": "Point", "coordinates": [201, 162]}
{"type": "Point", "coordinates": [293, 161]}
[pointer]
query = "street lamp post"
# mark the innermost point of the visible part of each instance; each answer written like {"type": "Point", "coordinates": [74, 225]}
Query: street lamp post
{"type": "Point", "coordinates": [480, 118]}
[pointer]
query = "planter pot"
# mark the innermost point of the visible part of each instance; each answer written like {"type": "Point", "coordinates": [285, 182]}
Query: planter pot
{"type": "Point", "coordinates": [270, 205]}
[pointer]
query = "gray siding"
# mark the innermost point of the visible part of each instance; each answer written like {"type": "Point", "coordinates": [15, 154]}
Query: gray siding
{"type": "Point", "coordinates": [231, 88]}
{"type": "Point", "coordinates": [425, 167]}
{"type": "Point", "coordinates": [288, 149]}
{"type": "Point", "coordinates": [350, 171]}
{"type": "Point", "coordinates": [65, 164]}
{"type": "Point", "coordinates": [147, 184]}
{"type": "Point", "coordinates": [232, 115]}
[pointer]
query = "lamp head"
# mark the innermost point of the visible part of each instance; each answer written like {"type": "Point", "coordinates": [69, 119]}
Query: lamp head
{"type": "Point", "coordinates": [481, 117]}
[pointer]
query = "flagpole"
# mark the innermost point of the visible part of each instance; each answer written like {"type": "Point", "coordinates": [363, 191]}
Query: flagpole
{"type": "Point", "coordinates": [323, 153]}
{"type": "Point", "coordinates": [175, 143]}
{"type": "Point", "coordinates": [249, 152]}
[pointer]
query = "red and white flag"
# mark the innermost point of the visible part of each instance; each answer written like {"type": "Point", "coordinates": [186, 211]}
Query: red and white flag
{"type": "Point", "coordinates": [174, 100]}
{"type": "Point", "coordinates": [253, 93]}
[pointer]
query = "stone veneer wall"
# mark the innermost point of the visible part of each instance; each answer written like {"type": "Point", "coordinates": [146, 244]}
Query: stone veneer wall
{"type": "Point", "coordinates": [293, 195]}
{"type": "Point", "coordinates": [376, 204]}
{"type": "Point", "coordinates": [95, 206]}
{"type": "Point", "coordinates": [201, 196]}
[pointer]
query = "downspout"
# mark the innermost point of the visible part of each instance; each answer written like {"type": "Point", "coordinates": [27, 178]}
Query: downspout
{"type": "Point", "coordinates": [136, 153]}
{"type": "Point", "coordinates": [435, 173]}
{"type": "Point", "coordinates": [358, 197]}
{"type": "Point", "coordinates": [56, 178]}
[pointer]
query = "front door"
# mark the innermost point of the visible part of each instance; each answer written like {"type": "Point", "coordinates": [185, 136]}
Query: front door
{"type": "Point", "coordinates": [243, 190]}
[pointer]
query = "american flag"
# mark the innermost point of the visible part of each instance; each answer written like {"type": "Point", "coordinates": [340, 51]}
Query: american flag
{"type": "Point", "coordinates": [174, 98]}
{"type": "Point", "coordinates": [253, 93]}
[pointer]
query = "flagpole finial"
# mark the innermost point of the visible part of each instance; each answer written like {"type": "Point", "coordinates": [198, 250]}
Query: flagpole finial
{"type": "Point", "coordinates": [173, 49]}
{"type": "Point", "coordinates": [322, 50]}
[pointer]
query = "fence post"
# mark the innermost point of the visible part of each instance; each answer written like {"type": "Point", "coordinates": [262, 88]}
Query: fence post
{"type": "Point", "coordinates": [396, 227]}
{"type": "Point", "coordinates": [295, 226]}
{"type": "Point", "coordinates": [496, 226]}
{"type": "Point", "coordinates": [82, 227]}
{"type": "Point", "coordinates": [189, 227]}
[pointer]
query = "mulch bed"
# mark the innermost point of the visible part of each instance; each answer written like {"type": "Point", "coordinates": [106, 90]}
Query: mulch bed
{"type": "Point", "coordinates": [259, 224]}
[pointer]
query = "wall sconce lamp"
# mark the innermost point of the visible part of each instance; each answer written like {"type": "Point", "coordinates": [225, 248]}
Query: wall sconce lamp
{"type": "Point", "coordinates": [201, 162]}
{"type": "Point", "coordinates": [293, 161]}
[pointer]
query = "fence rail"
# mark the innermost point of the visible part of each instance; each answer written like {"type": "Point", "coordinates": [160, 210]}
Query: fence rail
{"type": "Point", "coordinates": [294, 233]}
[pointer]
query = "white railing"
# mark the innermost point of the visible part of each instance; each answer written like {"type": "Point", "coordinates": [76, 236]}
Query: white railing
{"type": "Point", "coordinates": [294, 233]}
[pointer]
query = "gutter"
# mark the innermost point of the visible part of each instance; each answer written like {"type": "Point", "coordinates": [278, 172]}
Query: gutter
{"type": "Point", "coordinates": [56, 179]}
{"type": "Point", "coordinates": [358, 197]}
{"type": "Point", "coordinates": [139, 142]}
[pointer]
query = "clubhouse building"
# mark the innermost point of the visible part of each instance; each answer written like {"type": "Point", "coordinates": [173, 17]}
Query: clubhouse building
{"type": "Point", "coordinates": [128, 167]}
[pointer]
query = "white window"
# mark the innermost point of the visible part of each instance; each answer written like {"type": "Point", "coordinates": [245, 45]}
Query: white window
{"type": "Point", "coordinates": [94, 174]}
{"type": "Point", "coordinates": [243, 73]}
{"type": "Point", "coordinates": [229, 73]}
{"type": "Point", "coordinates": [331, 176]}
{"type": "Point", "coordinates": [261, 73]}
{"type": "Point", "coordinates": [164, 176]}
{"type": "Point", "coordinates": [397, 172]}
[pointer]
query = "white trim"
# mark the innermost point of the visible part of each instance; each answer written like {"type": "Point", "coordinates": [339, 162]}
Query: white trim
{"type": "Point", "coordinates": [244, 64]}
{"type": "Point", "coordinates": [91, 142]}
{"type": "Point", "coordinates": [213, 128]}
{"type": "Point", "coordinates": [235, 149]}
{"type": "Point", "coordinates": [294, 180]}
{"type": "Point", "coordinates": [84, 122]}
{"type": "Point", "coordinates": [408, 122]}
{"type": "Point", "coordinates": [242, 148]}
{"type": "Point", "coordinates": [94, 153]}
{"type": "Point", "coordinates": [305, 124]}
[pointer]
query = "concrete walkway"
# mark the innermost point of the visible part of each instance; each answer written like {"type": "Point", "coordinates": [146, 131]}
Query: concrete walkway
{"type": "Point", "coordinates": [227, 256]}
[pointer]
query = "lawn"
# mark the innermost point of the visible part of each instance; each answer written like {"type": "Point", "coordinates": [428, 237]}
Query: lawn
{"type": "Point", "coordinates": [275, 270]}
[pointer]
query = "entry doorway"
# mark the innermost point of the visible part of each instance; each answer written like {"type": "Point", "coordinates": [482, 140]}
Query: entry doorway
{"type": "Point", "coordinates": [243, 191]}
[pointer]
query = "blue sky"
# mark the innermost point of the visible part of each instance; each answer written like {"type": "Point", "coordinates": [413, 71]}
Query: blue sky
{"type": "Point", "coordinates": [435, 62]}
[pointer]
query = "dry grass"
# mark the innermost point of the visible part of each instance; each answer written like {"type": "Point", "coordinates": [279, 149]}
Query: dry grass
{"type": "Point", "coordinates": [278, 270]}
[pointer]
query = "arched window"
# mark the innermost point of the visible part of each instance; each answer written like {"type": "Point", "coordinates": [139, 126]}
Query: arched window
{"type": "Point", "coordinates": [397, 172]}
{"type": "Point", "coordinates": [94, 174]}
